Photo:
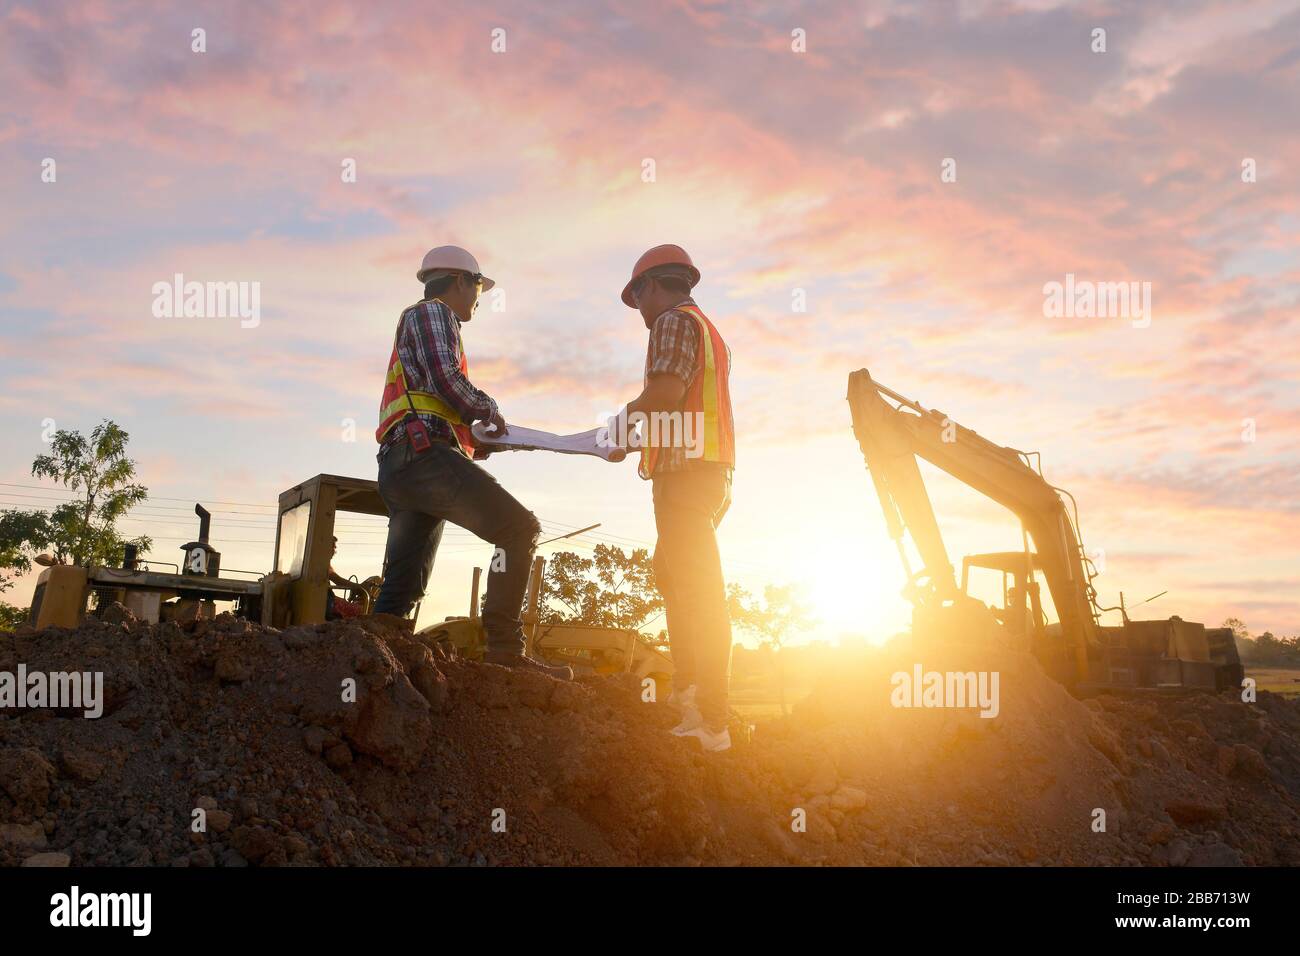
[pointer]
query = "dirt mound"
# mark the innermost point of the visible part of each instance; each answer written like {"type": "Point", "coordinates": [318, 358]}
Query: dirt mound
{"type": "Point", "coordinates": [1202, 779]}
{"type": "Point", "coordinates": [431, 760]}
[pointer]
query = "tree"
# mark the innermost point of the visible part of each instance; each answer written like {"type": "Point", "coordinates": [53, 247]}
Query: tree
{"type": "Point", "coordinates": [782, 613]}
{"type": "Point", "coordinates": [1241, 637]}
{"type": "Point", "coordinates": [1267, 646]}
{"type": "Point", "coordinates": [1237, 626]}
{"type": "Point", "coordinates": [11, 617]}
{"type": "Point", "coordinates": [612, 588]}
{"type": "Point", "coordinates": [84, 530]}
{"type": "Point", "coordinates": [20, 532]}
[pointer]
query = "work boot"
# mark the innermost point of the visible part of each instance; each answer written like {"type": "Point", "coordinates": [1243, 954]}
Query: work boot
{"type": "Point", "coordinates": [520, 661]}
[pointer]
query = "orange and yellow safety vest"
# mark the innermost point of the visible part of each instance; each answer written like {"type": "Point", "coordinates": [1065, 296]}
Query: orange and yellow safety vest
{"type": "Point", "coordinates": [398, 401]}
{"type": "Point", "coordinates": [708, 394]}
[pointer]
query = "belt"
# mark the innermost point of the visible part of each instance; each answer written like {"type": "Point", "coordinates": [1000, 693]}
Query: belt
{"type": "Point", "coordinates": [384, 451]}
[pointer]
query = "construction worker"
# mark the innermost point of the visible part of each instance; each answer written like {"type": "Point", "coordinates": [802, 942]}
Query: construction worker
{"type": "Point", "coordinates": [427, 474]}
{"type": "Point", "coordinates": [688, 455]}
{"type": "Point", "coordinates": [335, 606]}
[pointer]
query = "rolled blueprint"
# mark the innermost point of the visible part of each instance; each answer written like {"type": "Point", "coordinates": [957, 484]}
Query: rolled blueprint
{"type": "Point", "coordinates": [519, 438]}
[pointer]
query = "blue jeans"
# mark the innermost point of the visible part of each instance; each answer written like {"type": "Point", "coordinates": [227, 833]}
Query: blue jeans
{"type": "Point", "coordinates": [422, 493]}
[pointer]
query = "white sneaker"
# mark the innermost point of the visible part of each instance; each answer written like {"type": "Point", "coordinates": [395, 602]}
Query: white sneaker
{"type": "Point", "coordinates": [713, 741]}
{"type": "Point", "coordinates": [691, 719]}
{"type": "Point", "coordinates": [683, 699]}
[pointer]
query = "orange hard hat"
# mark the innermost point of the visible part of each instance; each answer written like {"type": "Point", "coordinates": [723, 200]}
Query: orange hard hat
{"type": "Point", "coordinates": [656, 258]}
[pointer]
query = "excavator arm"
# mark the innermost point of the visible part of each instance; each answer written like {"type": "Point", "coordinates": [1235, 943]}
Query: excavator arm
{"type": "Point", "coordinates": [894, 431]}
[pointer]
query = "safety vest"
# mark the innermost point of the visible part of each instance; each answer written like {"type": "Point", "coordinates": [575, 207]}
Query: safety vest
{"type": "Point", "coordinates": [706, 394]}
{"type": "Point", "coordinates": [398, 401]}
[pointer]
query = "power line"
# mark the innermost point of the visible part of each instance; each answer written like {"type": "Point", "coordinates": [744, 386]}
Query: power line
{"type": "Point", "coordinates": [248, 504]}
{"type": "Point", "coordinates": [69, 496]}
{"type": "Point", "coordinates": [246, 520]}
{"type": "Point", "coordinates": [378, 526]}
{"type": "Point", "coordinates": [359, 527]}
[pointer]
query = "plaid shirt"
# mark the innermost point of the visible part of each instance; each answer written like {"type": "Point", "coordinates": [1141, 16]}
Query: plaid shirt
{"type": "Point", "coordinates": [428, 344]}
{"type": "Point", "coordinates": [673, 350]}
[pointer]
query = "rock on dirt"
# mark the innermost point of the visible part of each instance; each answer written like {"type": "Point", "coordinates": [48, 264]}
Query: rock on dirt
{"type": "Point", "coordinates": [355, 743]}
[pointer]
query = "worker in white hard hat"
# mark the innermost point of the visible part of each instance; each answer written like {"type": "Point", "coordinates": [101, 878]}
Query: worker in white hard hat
{"type": "Point", "coordinates": [427, 474]}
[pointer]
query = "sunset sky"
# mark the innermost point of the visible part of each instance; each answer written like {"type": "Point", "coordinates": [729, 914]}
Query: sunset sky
{"type": "Point", "coordinates": [778, 170]}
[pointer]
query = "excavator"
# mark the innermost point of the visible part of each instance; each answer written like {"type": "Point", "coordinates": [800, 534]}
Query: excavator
{"type": "Point", "coordinates": [1136, 656]}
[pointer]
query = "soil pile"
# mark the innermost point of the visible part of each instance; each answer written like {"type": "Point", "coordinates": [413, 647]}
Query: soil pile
{"type": "Point", "coordinates": [357, 743]}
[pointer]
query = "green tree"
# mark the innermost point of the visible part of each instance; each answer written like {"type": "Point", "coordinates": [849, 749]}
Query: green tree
{"type": "Point", "coordinates": [84, 531]}
{"type": "Point", "coordinates": [11, 617]}
{"type": "Point", "coordinates": [612, 588]}
{"type": "Point", "coordinates": [80, 531]}
{"type": "Point", "coordinates": [782, 613]}
{"type": "Point", "coordinates": [20, 533]}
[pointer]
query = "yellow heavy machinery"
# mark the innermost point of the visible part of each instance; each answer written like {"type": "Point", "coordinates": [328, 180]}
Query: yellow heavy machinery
{"type": "Point", "coordinates": [296, 591]}
{"type": "Point", "coordinates": [893, 433]}
{"type": "Point", "coordinates": [587, 648]}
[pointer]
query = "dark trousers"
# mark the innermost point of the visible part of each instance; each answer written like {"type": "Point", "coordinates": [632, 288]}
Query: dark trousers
{"type": "Point", "coordinates": [422, 493]}
{"type": "Point", "coordinates": [689, 506]}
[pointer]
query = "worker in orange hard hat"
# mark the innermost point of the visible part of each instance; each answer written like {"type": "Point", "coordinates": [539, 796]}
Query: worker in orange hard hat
{"type": "Point", "coordinates": [427, 474]}
{"type": "Point", "coordinates": [688, 453]}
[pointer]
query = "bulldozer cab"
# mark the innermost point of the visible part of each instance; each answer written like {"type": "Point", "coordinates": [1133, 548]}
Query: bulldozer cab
{"type": "Point", "coordinates": [297, 589]}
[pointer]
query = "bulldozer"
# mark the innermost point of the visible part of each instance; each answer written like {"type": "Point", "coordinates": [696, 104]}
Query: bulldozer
{"type": "Point", "coordinates": [1136, 656]}
{"type": "Point", "coordinates": [297, 590]}
{"type": "Point", "coordinates": [587, 648]}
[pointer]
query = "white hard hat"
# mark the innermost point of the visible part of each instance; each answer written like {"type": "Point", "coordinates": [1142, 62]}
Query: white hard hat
{"type": "Point", "coordinates": [454, 258]}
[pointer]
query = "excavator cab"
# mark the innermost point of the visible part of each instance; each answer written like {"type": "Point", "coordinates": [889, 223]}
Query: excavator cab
{"type": "Point", "coordinates": [1021, 610]}
{"type": "Point", "coordinates": [1022, 616]}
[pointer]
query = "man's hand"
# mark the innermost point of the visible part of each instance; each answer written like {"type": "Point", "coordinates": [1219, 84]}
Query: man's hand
{"type": "Point", "coordinates": [614, 428]}
{"type": "Point", "coordinates": [498, 424]}
{"type": "Point", "coordinates": [617, 436]}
